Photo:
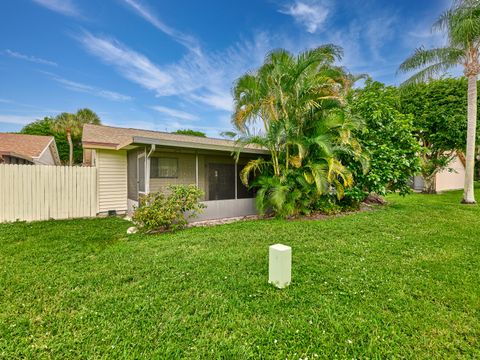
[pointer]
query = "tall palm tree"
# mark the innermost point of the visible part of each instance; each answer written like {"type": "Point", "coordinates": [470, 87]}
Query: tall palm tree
{"type": "Point", "coordinates": [294, 98]}
{"type": "Point", "coordinates": [72, 125]}
{"type": "Point", "coordinates": [461, 23]}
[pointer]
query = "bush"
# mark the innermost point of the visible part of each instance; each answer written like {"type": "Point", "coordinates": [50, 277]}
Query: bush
{"type": "Point", "coordinates": [388, 140]}
{"type": "Point", "coordinates": [168, 211]}
{"type": "Point", "coordinates": [331, 205]}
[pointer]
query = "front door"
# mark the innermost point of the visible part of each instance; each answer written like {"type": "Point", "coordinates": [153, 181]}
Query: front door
{"type": "Point", "coordinates": [221, 181]}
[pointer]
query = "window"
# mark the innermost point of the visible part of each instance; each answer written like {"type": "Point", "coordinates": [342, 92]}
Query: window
{"type": "Point", "coordinates": [163, 167]}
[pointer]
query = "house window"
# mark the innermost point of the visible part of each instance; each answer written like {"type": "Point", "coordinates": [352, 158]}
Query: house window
{"type": "Point", "coordinates": [161, 167]}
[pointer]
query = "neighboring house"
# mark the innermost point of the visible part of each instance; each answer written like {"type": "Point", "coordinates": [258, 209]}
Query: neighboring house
{"type": "Point", "coordinates": [131, 163]}
{"type": "Point", "coordinates": [453, 179]}
{"type": "Point", "coordinates": [28, 149]}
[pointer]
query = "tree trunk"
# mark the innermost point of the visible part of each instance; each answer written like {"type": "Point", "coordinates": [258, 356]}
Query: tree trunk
{"type": "Point", "coordinates": [468, 194]}
{"type": "Point", "coordinates": [430, 184]}
{"type": "Point", "coordinates": [70, 147]}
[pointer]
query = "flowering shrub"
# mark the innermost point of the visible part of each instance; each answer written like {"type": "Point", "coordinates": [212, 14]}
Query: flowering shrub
{"type": "Point", "coordinates": [168, 211]}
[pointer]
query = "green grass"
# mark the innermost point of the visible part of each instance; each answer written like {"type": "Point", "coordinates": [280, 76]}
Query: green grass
{"type": "Point", "coordinates": [399, 282]}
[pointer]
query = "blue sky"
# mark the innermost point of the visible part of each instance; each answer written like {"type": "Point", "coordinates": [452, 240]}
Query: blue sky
{"type": "Point", "coordinates": [168, 65]}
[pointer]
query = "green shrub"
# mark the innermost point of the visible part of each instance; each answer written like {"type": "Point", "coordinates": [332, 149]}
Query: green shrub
{"type": "Point", "coordinates": [168, 211]}
{"type": "Point", "coordinates": [331, 205]}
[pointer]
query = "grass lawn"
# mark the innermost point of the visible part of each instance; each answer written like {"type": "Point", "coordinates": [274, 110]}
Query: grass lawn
{"type": "Point", "coordinates": [402, 281]}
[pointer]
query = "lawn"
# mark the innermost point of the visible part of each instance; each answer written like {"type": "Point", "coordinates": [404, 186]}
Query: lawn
{"type": "Point", "coordinates": [399, 282]}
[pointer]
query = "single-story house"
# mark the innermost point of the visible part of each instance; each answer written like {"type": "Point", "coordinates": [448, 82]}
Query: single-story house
{"type": "Point", "coordinates": [133, 162]}
{"type": "Point", "coordinates": [25, 149]}
{"type": "Point", "coordinates": [452, 178]}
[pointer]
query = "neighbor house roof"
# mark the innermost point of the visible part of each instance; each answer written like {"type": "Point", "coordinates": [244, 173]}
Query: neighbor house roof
{"type": "Point", "coordinates": [109, 137]}
{"type": "Point", "coordinates": [29, 147]}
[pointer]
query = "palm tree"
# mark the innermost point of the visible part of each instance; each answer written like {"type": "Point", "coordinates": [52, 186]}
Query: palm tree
{"type": "Point", "coordinates": [72, 125]}
{"type": "Point", "coordinates": [87, 116]}
{"type": "Point", "coordinates": [461, 23]}
{"type": "Point", "coordinates": [294, 99]}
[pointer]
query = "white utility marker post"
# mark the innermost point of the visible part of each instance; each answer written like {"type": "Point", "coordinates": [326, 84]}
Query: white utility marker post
{"type": "Point", "coordinates": [280, 265]}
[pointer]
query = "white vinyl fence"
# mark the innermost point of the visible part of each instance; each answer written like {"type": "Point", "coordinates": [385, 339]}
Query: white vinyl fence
{"type": "Point", "coordinates": [36, 192]}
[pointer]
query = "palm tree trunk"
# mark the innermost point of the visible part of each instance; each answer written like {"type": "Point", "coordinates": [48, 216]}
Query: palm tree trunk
{"type": "Point", "coordinates": [468, 194]}
{"type": "Point", "coordinates": [70, 148]}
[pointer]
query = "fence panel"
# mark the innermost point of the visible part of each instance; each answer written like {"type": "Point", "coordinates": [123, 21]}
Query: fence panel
{"type": "Point", "coordinates": [34, 192]}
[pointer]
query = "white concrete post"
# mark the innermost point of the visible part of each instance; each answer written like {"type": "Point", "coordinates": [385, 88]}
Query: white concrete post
{"type": "Point", "coordinates": [280, 265]}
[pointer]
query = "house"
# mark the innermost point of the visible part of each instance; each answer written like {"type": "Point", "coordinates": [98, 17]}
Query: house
{"type": "Point", "coordinates": [28, 149]}
{"type": "Point", "coordinates": [452, 178]}
{"type": "Point", "coordinates": [133, 162]}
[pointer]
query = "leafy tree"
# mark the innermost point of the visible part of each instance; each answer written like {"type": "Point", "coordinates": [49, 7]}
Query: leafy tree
{"type": "Point", "coordinates": [71, 125]}
{"type": "Point", "coordinates": [440, 122]}
{"type": "Point", "coordinates": [44, 127]}
{"type": "Point", "coordinates": [190, 132]}
{"type": "Point", "coordinates": [461, 24]}
{"type": "Point", "coordinates": [299, 102]}
{"type": "Point", "coordinates": [387, 139]}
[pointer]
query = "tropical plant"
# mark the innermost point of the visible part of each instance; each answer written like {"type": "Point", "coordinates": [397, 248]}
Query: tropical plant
{"type": "Point", "coordinates": [461, 24]}
{"type": "Point", "coordinates": [386, 138]}
{"type": "Point", "coordinates": [298, 101]}
{"type": "Point", "coordinates": [71, 125]}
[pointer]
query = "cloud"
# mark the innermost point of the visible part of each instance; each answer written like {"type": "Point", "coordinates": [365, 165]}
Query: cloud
{"type": "Point", "coordinates": [131, 64]}
{"type": "Point", "coordinates": [312, 16]}
{"type": "Point", "coordinates": [186, 40]}
{"type": "Point", "coordinates": [92, 90]}
{"type": "Point", "coordinates": [30, 58]}
{"type": "Point", "coordinates": [175, 113]}
{"type": "Point", "coordinates": [197, 77]}
{"type": "Point", "coordinates": [65, 7]}
{"type": "Point", "coordinates": [18, 119]}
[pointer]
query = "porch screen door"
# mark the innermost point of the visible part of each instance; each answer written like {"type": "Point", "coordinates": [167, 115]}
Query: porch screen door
{"type": "Point", "coordinates": [141, 173]}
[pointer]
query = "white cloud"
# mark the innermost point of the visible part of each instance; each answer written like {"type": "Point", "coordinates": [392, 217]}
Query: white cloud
{"type": "Point", "coordinates": [175, 113]}
{"type": "Point", "coordinates": [30, 58]}
{"type": "Point", "coordinates": [18, 119]}
{"type": "Point", "coordinates": [92, 90]}
{"type": "Point", "coordinates": [311, 15]}
{"type": "Point", "coordinates": [65, 7]}
{"type": "Point", "coordinates": [131, 64]}
{"type": "Point", "coordinates": [198, 77]}
{"type": "Point", "coordinates": [186, 40]}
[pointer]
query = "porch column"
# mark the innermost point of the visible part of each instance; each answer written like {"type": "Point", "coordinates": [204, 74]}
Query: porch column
{"type": "Point", "coordinates": [196, 169]}
{"type": "Point", "coordinates": [147, 172]}
{"type": "Point", "coordinates": [236, 176]}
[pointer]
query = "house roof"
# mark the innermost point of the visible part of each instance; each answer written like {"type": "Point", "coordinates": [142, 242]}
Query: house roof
{"type": "Point", "coordinates": [109, 137]}
{"type": "Point", "coordinates": [29, 147]}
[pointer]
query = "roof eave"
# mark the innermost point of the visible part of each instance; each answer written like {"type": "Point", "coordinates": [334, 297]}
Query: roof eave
{"type": "Point", "coordinates": [189, 145]}
{"type": "Point", "coordinates": [99, 145]}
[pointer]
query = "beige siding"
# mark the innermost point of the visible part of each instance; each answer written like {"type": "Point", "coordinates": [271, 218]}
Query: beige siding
{"type": "Point", "coordinates": [454, 180]}
{"type": "Point", "coordinates": [112, 180]}
{"type": "Point", "coordinates": [46, 192]}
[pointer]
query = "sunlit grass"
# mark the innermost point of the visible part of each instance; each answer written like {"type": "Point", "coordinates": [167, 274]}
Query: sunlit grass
{"type": "Point", "coordinates": [401, 281]}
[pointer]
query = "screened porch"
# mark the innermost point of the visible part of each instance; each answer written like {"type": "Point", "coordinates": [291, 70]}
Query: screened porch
{"type": "Point", "coordinates": [216, 173]}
